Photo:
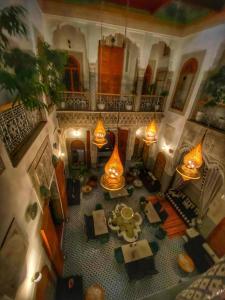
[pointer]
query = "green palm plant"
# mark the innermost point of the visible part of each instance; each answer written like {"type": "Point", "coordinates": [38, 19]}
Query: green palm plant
{"type": "Point", "coordinates": [215, 87]}
{"type": "Point", "coordinates": [26, 76]}
{"type": "Point", "coordinates": [11, 24]}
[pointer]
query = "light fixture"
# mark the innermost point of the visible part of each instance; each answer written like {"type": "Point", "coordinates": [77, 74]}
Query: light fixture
{"type": "Point", "coordinates": [150, 133]}
{"type": "Point", "coordinates": [76, 133]}
{"type": "Point", "coordinates": [113, 178]}
{"type": "Point", "coordinates": [37, 277]}
{"type": "Point", "coordinates": [191, 163]}
{"type": "Point", "coordinates": [99, 134]}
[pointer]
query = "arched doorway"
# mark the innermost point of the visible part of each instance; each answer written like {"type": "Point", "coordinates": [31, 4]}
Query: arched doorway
{"type": "Point", "coordinates": [159, 165]}
{"type": "Point", "coordinates": [77, 151]}
{"type": "Point", "coordinates": [147, 80]}
{"type": "Point", "coordinates": [184, 84]}
{"type": "Point", "coordinates": [72, 75]}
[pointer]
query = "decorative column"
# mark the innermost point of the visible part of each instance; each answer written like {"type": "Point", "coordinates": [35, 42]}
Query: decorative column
{"type": "Point", "coordinates": [131, 141]}
{"type": "Point", "coordinates": [92, 85]}
{"type": "Point", "coordinates": [140, 80]}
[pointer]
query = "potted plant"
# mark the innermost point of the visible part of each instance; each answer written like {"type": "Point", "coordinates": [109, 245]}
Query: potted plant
{"type": "Point", "coordinates": [101, 105]}
{"type": "Point", "coordinates": [128, 105]}
{"type": "Point", "coordinates": [215, 87]}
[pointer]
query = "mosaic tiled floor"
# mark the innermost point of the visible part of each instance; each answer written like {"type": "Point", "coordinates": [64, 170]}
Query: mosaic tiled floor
{"type": "Point", "coordinates": [96, 263]}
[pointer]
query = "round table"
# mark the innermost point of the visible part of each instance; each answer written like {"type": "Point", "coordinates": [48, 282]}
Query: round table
{"type": "Point", "coordinates": [186, 263]}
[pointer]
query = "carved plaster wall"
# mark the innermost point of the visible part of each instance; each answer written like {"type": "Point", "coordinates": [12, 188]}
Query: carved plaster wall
{"type": "Point", "coordinates": [125, 120]}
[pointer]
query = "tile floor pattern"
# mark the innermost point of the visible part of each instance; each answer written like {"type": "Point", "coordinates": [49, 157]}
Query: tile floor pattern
{"type": "Point", "coordinates": [96, 263]}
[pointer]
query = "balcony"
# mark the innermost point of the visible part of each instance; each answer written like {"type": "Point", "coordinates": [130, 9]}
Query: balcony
{"type": "Point", "coordinates": [115, 102]}
{"type": "Point", "coordinates": [78, 101]}
{"type": "Point", "coordinates": [18, 129]}
{"type": "Point", "coordinates": [81, 101]}
{"type": "Point", "coordinates": [152, 103]}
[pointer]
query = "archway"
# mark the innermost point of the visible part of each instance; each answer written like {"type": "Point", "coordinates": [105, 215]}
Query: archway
{"type": "Point", "coordinates": [184, 84]}
{"type": "Point", "coordinates": [72, 75]}
{"type": "Point", "coordinates": [159, 165]}
{"type": "Point", "coordinates": [147, 80]}
{"type": "Point", "coordinates": [77, 151]}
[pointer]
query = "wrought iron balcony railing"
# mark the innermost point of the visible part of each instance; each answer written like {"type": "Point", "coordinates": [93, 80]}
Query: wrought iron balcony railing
{"type": "Point", "coordinates": [115, 102]}
{"type": "Point", "coordinates": [152, 103]}
{"type": "Point", "coordinates": [75, 101]}
{"type": "Point", "coordinates": [81, 101]}
{"type": "Point", "coordinates": [16, 127]}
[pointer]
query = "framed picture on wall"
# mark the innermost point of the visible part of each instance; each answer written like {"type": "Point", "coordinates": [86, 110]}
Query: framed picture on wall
{"type": "Point", "coordinates": [13, 252]}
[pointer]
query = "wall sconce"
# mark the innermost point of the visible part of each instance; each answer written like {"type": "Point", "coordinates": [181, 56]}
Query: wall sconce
{"type": "Point", "coordinates": [32, 210]}
{"type": "Point", "coordinates": [76, 133]}
{"type": "Point", "coordinates": [37, 277]}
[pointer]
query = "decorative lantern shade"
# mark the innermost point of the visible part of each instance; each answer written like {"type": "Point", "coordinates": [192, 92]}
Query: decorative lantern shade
{"type": "Point", "coordinates": [150, 133]}
{"type": "Point", "coordinates": [99, 134]}
{"type": "Point", "coordinates": [113, 179]}
{"type": "Point", "coordinates": [191, 163]}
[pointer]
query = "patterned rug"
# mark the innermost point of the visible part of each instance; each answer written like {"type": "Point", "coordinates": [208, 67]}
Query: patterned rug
{"type": "Point", "coordinates": [96, 262]}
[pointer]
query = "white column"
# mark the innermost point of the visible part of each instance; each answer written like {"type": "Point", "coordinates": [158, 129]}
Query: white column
{"type": "Point", "coordinates": [92, 85]}
{"type": "Point", "coordinates": [140, 79]}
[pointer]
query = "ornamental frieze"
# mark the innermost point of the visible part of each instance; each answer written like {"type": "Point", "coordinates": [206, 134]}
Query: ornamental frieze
{"type": "Point", "coordinates": [89, 119]}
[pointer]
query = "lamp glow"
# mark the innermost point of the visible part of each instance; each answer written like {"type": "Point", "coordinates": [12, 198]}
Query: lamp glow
{"type": "Point", "coordinates": [191, 163]}
{"type": "Point", "coordinates": [99, 134]}
{"type": "Point", "coordinates": [150, 133]}
{"type": "Point", "coordinates": [113, 178]}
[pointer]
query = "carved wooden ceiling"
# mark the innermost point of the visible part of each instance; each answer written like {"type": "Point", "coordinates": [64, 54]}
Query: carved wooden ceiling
{"type": "Point", "coordinates": [175, 11]}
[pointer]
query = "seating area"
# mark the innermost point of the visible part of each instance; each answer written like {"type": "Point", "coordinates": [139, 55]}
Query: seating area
{"type": "Point", "coordinates": [183, 205]}
{"type": "Point", "coordinates": [82, 243]}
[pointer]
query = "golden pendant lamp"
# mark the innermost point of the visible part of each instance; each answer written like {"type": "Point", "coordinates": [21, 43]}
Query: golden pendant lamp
{"type": "Point", "coordinates": [113, 178]}
{"type": "Point", "coordinates": [150, 133]}
{"type": "Point", "coordinates": [99, 134]}
{"type": "Point", "coordinates": [191, 163]}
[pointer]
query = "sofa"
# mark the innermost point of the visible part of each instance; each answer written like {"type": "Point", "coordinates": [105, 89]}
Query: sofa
{"type": "Point", "coordinates": [195, 249]}
{"type": "Point", "coordinates": [187, 210]}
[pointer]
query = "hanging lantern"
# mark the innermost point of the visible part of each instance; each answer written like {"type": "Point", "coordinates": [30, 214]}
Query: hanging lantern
{"type": "Point", "coordinates": [113, 179]}
{"type": "Point", "coordinates": [191, 163]}
{"type": "Point", "coordinates": [99, 134]}
{"type": "Point", "coordinates": [150, 133]}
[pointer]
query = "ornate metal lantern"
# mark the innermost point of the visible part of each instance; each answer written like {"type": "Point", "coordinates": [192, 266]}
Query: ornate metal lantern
{"type": "Point", "coordinates": [113, 178]}
{"type": "Point", "coordinates": [150, 133]}
{"type": "Point", "coordinates": [191, 163]}
{"type": "Point", "coordinates": [99, 134]}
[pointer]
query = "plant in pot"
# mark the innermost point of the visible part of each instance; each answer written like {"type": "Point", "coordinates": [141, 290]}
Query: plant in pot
{"type": "Point", "coordinates": [101, 105]}
{"type": "Point", "coordinates": [215, 91]}
{"type": "Point", "coordinates": [128, 105]}
{"type": "Point", "coordinates": [215, 87]}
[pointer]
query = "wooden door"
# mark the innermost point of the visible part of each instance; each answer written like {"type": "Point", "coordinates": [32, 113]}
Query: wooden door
{"type": "Point", "coordinates": [159, 165]}
{"type": "Point", "coordinates": [88, 159]}
{"type": "Point", "coordinates": [45, 288]}
{"type": "Point", "coordinates": [110, 66]}
{"type": "Point", "coordinates": [216, 239]}
{"type": "Point", "coordinates": [61, 181]}
{"type": "Point", "coordinates": [122, 143]}
{"type": "Point", "coordinates": [51, 241]}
